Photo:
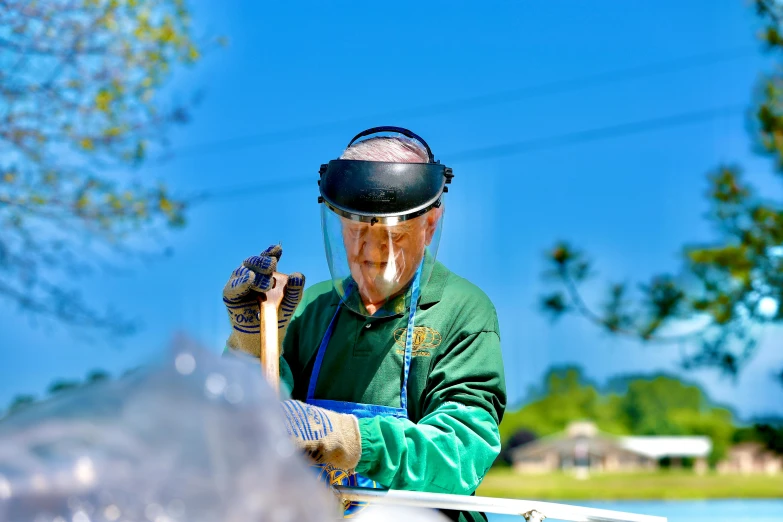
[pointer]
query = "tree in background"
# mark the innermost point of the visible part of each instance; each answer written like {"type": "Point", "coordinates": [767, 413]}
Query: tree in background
{"type": "Point", "coordinates": [516, 440]}
{"type": "Point", "coordinates": [648, 404]}
{"type": "Point", "coordinates": [19, 402]}
{"type": "Point", "coordinates": [642, 405]}
{"type": "Point", "coordinates": [57, 387]}
{"type": "Point", "coordinates": [728, 287]}
{"type": "Point", "coordinates": [80, 84]}
{"type": "Point", "coordinates": [666, 406]}
{"type": "Point", "coordinates": [565, 396]}
{"type": "Point", "coordinates": [766, 433]}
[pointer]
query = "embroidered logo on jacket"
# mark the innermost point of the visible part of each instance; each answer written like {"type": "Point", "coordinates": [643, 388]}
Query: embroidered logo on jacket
{"type": "Point", "coordinates": [424, 340]}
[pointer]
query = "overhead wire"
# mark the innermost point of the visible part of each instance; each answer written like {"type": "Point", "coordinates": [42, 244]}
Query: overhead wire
{"type": "Point", "coordinates": [470, 102]}
{"type": "Point", "coordinates": [599, 133]}
{"type": "Point", "coordinates": [511, 148]}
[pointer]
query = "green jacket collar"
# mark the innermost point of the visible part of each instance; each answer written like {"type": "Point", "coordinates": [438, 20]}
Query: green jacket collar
{"type": "Point", "coordinates": [432, 292]}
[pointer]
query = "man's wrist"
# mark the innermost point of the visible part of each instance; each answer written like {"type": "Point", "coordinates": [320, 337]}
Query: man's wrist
{"type": "Point", "coordinates": [369, 436]}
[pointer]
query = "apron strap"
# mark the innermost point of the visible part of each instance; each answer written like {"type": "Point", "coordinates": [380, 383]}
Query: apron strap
{"type": "Point", "coordinates": [406, 364]}
{"type": "Point", "coordinates": [319, 359]}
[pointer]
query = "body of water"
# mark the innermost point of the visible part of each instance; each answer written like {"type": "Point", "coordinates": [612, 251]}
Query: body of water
{"type": "Point", "coordinates": [689, 510]}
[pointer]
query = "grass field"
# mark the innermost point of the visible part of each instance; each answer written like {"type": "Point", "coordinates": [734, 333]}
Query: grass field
{"type": "Point", "coordinates": [660, 485]}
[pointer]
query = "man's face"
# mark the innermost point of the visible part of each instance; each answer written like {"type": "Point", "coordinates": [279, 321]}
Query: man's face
{"type": "Point", "coordinates": [383, 258]}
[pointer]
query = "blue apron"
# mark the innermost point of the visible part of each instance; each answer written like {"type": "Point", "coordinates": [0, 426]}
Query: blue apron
{"type": "Point", "coordinates": [340, 477]}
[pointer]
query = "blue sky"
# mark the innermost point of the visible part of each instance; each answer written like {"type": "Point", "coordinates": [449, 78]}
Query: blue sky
{"type": "Point", "coordinates": [302, 78]}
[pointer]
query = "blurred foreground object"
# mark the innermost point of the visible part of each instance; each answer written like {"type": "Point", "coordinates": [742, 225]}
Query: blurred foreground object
{"type": "Point", "coordinates": [80, 93]}
{"type": "Point", "coordinates": [728, 288]}
{"type": "Point", "coordinates": [197, 438]}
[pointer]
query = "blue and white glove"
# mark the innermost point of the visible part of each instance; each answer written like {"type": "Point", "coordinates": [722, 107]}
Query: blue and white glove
{"type": "Point", "coordinates": [325, 436]}
{"type": "Point", "coordinates": [240, 296]}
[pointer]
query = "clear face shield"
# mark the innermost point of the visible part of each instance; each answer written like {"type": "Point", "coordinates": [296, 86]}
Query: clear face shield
{"type": "Point", "coordinates": [382, 222]}
{"type": "Point", "coordinates": [374, 264]}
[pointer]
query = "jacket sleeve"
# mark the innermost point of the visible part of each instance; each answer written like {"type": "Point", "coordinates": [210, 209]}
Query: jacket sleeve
{"type": "Point", "coordinates": [456, 441]}
{"type": "Point", "coordinates": [286, 378]}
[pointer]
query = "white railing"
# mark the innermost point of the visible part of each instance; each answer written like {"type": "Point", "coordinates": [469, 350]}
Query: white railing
{"type": "Point", "coordinates": [533, 511]}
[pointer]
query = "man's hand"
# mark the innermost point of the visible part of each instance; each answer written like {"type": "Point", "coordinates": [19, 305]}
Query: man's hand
{"type": "Point", "coordinates": [240, 296]}
{"type": "Point", "coordinates": [327, 437]}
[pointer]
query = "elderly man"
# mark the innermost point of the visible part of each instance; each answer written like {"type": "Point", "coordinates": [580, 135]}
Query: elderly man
{"type": "Point", "coordinates": [394, 366]}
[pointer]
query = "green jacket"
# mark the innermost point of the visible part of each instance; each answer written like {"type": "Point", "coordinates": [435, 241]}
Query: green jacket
{"type": "Point", "coordinates": [456, 388]}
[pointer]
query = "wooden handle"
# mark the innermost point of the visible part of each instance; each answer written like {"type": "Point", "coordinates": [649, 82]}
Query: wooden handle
{"type": "Point", "coordinates": [270, 352]}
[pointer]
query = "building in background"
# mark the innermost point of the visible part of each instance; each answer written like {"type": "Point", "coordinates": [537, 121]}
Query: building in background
{"type": "Point", "coordinates": [583, 448]}
{"type": "Point", "coordinates": [673, 448]}
{"type": "Point", "coordinates": [751, 458]}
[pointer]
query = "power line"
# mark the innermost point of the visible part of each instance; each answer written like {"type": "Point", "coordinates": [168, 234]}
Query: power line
{"type": "Point", "coordinates": [600, 133]}
{"type": "Point", "coordinates": [249, 190]}
{"type": "Point", "coordinates": [506, 149]}
{"type": "Point", "coordinates": [484, 100]}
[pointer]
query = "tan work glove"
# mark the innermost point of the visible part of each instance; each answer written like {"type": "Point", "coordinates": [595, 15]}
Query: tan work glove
{"type": "Point", "coordinates": [240, 296]}
{"type": "Point", "coordinates": [325, 436]}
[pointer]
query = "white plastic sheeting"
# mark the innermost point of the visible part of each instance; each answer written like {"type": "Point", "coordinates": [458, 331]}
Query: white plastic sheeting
{"type": "Point", "coordinates": [195, 438]}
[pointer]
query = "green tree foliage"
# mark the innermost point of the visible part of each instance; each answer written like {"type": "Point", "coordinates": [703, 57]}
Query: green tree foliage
{"type": "Point", "coordinates": [97, 376]}
{"type": "Point", "coordinates": [60, 386]}
{"type": "Point", "coordinates": [57, 387]}
{"type": "Point", "coordinates": [564, 397]}
{"type": "Point", "coordinates": [648, 405]}
{"type": "Point", "coordinates": [80, 84]}
{"type": "Point", "coordinates": [652, 405]}
{"type": "Point", "coordinates": [20, 402]}
{"type": "Point", "coordinates": [770, 435]}
{"type": "Point", "coordinates": [734, 283]}
{"type": "Point", "coordinates": [667, 406]}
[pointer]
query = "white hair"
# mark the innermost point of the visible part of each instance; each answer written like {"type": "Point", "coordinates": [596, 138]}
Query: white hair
{"type": "Point", "coordinates": [390, 149]}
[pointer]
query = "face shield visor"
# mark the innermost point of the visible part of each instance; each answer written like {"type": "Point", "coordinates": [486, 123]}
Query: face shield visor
{"type": "Point", "coordinates": [373, 265]}
{"type": "Point", "coordinates": [382, 223]}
